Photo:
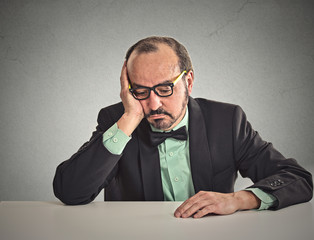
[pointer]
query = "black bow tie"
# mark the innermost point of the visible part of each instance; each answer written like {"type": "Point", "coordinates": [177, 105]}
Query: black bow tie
{"type": "Point", "coordinates": [157, 138]}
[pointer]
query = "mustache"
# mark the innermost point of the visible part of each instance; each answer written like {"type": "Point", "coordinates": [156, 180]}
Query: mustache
{"type": "Point", "coordinates": [158, 111]}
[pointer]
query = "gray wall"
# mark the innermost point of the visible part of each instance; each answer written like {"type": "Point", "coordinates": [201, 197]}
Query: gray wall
{"type": "Point", "coordinates": [60, 63]}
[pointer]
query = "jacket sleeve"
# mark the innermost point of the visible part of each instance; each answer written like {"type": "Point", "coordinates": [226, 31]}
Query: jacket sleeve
{"type": "Point", "coordinates": [269, 170]}
{"type": "Point", "coordinates": [80, 179]}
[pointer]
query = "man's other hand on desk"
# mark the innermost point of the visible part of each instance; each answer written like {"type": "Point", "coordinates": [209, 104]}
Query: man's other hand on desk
{"type": "Point", "coordinates": [204, 203]}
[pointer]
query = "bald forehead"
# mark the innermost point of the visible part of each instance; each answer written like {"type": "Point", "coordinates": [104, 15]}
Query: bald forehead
{"type": "Point", "coordinates": [161, 58]}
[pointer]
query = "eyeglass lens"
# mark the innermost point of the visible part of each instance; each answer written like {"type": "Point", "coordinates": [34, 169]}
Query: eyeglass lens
{"type": "Point", "coordinates": [162, 91]}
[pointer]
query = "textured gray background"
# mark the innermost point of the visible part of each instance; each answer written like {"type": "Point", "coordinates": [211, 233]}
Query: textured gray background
{"type": "Point", "coordinates": [60, 63]}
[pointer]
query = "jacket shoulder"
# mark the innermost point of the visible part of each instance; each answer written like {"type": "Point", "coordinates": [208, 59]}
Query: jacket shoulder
{"type": "Point", "coordinates": [215, 107]}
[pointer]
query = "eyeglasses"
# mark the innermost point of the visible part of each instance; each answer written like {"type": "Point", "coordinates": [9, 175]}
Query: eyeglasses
{"type": "Point", "coordinates": [161, 90]}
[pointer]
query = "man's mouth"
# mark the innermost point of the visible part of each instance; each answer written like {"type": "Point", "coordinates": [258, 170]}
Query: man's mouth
{"type": "Point", "coordinates": [157, 116]}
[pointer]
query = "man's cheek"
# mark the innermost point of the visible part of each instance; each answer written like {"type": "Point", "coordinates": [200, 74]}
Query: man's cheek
{"type": "Point", "coordinates": [145, 108]}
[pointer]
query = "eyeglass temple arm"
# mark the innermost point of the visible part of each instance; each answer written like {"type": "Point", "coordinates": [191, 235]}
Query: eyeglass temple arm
{"type": "Point", "coordinates": [178, 78]}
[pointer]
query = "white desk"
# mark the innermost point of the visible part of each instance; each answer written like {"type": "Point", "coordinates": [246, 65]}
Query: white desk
{"type": "Point", "coordinates": [147, 220]}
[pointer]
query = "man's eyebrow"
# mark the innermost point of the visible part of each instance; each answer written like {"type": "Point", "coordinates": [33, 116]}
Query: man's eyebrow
{"type": "Point", "coordinates": [138, 85]}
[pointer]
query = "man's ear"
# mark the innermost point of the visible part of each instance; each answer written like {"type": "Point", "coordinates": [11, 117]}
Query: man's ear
{"type": "Point", "coordinates": [189, 81]}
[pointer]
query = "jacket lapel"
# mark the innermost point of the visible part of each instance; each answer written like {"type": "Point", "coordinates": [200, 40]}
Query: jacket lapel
{"type": "Point", "coordinates": [150, 165]}
{"type": "Point", "coordinates": [200, 159]}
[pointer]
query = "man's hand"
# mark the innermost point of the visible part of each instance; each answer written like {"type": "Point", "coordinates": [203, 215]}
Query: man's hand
{"type": "Point", "coordinates": [133, 111]}
{"type": "Point", "coordinates": [204, 203]}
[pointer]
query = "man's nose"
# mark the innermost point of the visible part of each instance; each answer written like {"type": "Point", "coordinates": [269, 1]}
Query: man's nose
{"type": "Point", "coordinates": [154, 101]}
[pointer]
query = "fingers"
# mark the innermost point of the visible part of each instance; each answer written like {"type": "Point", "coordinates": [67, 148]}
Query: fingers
{"type": "Point", "coordinates": [133, 110]}
{"type": "Point", "coordinates": [204, 203]}
{"type": "Point", "coordinates": [125, 94]}
{"type": "Point", "coordinates": [124, 77]}
{"type": "Point", "coordinates": [191, 205]}
{"type": "Point", "coordinates": [199, 209]}
{"type": "Point", "coordinates": [204, 211]}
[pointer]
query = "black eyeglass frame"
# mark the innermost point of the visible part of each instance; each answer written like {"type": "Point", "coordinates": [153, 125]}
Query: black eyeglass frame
{"type": "Point", "coordinates": [172, 84]}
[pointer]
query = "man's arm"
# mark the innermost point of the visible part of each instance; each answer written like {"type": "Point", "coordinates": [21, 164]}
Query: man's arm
{"type": "Point", "coordinates": [283, 178]}
{"type": "Point", "coordinates": [269, 170]}
{"type": "Point", "coordinates": [80, 179]}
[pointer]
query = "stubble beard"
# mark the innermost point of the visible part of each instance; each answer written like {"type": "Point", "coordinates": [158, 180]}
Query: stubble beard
{"type": "Point", "coordinates": [163, 124]}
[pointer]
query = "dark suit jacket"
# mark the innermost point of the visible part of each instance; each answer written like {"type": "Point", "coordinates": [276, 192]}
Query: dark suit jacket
{"type": "Point", "coordinates": [222, 142]}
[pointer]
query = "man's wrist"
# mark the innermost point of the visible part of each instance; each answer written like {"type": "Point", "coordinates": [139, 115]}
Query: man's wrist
{"type": "Point", "coordinates": [128, 123]}
{"type": "Point", "coordinates": [247, 200]}
{"type": "Point", "coordinates": [267, 199]}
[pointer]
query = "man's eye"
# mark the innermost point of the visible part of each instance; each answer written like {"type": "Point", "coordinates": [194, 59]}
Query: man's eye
{"type": "Point", "coordinates": [164, 89]}
{"type": "Point", "coordinates": [140, 92]}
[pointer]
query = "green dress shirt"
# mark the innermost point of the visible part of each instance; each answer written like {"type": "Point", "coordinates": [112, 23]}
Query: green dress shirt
{"type": "Point", "coordinates": [175, 167]}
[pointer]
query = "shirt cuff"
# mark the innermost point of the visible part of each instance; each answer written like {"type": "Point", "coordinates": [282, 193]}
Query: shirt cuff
{"type": "Point", "coordinates": [267, 200]}
{"type": "Point", "coordinates": [115, 140]}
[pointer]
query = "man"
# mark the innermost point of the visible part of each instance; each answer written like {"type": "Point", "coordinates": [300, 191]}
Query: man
{"type": "Point", "coordinates": [196, 161]}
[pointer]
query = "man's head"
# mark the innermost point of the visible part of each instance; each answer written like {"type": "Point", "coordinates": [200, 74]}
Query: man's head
{"type": "Point", "coordinates": [160, 60]}
{"type": "Point", "coordinates": [150, 44]}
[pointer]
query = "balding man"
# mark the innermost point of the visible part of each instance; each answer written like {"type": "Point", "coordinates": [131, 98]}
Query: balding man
{"type": "Point", "coordinates": [160, 144]}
